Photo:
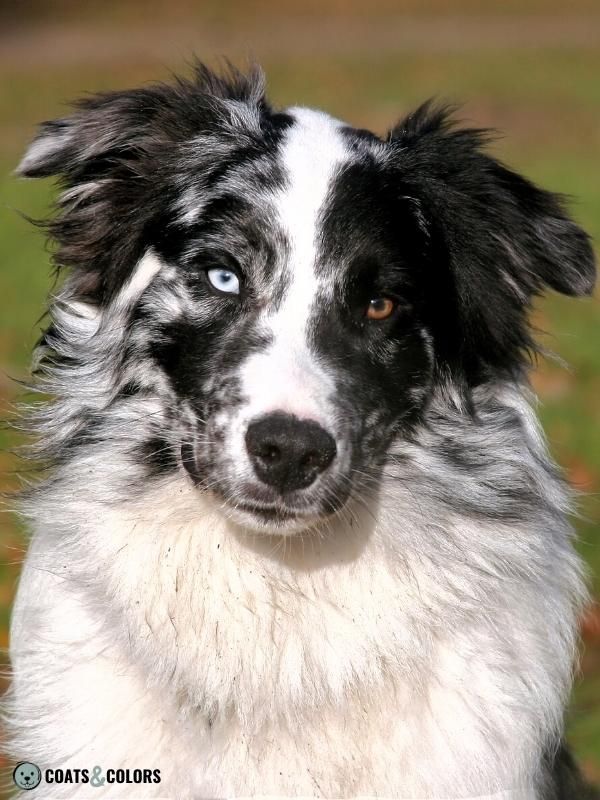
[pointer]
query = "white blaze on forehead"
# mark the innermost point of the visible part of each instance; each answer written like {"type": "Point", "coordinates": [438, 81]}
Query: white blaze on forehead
{"type": "Point", "coordinates": [287, 376]}
{"type": "Point", "coordinates": [311, 154]}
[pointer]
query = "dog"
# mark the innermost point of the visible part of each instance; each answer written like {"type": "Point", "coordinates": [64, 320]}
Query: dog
{"type": "Point", "coordinates": [299, 534]}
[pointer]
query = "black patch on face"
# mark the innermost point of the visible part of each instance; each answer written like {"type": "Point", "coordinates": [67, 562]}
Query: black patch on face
{"type": "Point", "coordinates": [372, 244]}
{"type": "Point", "coordinates": [191, 353]}
{"type": "Point", "coordinates": [185, 350]}
{"type": "Point", "coordinates": [376, 236]}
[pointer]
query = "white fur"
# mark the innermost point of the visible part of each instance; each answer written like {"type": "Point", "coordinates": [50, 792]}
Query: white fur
{"type": "Point", "coordinates": [343, 664]}
{"type": "Point", "coordinates": [287, 376]}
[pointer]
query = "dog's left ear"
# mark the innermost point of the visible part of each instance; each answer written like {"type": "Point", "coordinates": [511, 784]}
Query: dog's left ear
{"type": "Point", "coordinates": [503, 239]}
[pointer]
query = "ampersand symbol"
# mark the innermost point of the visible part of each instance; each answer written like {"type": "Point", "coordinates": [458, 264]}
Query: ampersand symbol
{"type": "Point", "coordinates": [96, 779]}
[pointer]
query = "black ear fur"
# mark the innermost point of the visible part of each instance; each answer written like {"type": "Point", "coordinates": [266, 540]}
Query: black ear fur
{"type": "Point", "coordinates": [106, 156]}
{"type": "Point", "coordinates": [503, 240]}
{"type": "Point", "coordinates": [108, 122]}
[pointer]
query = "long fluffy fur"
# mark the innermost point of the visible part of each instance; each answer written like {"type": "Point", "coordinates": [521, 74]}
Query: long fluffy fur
{"type": "Point", "coordinates": [418, 642]}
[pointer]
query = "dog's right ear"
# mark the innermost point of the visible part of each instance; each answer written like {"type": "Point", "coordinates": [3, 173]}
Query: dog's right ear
{"type": "Point", "coordinates": [106, 133]}
{"type": "Point", "coordinates": [103, 156]}
{"type": "Point", "coordinates": [113, 157]}
{"type": "Point", "coordinates": [105, 123]}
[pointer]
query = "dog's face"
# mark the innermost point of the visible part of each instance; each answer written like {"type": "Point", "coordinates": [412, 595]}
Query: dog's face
{"type": "Point", "coordinates": [303, 346]}
{"type": "Point", "coordinates": [294, 290]}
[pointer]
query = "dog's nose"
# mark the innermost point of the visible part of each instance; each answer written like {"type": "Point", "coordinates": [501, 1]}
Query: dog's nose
{"type": "Point", "coordinates": [288, 453]}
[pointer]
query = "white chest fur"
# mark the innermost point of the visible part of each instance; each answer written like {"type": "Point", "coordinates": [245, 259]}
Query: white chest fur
{"type": "Point", "coordinates": [343, 663]}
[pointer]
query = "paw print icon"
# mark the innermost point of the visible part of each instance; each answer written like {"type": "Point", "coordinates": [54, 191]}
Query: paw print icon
{"type": "Point", "coordinates": [27, 775]}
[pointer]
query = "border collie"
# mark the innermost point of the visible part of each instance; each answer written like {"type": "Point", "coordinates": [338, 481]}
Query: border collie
{"type": "Point", "coordinates": [299, 533]}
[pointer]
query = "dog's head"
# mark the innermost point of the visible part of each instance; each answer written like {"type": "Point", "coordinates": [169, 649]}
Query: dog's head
{"type": "Point", "coordinates": [290, 290]}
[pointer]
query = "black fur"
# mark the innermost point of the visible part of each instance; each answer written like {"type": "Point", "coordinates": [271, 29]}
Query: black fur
{"type": "Point", "coordinates": [499, 239]}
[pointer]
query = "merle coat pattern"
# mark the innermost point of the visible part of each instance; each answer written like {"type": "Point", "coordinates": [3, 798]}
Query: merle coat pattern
{"type": "Point", "coordinates": [300, 534]}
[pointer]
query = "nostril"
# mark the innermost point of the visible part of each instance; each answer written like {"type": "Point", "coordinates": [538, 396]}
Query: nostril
{"type": "Point", "coordinates": [269, 452]}
{"type": "Point", "coordinates": [310, 459]}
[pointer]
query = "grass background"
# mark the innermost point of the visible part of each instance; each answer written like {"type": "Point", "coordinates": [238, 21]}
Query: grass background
{"type": "Point", "coordinates": [529, 68]}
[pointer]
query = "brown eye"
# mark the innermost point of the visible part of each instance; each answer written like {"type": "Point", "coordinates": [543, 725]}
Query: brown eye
{"type": "Point", "coordinates": [380, 308]}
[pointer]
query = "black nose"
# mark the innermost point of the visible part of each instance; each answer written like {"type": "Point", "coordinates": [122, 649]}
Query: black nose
{"type": "Point", "coordinates": [288, 452]}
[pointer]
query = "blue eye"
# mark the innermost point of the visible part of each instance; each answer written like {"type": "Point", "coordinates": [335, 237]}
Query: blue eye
{"type": "Point", "coordinates": [225, 280]}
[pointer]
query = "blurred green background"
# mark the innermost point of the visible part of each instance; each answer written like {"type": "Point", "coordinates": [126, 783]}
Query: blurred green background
{"type": "Point", "coordinates": [527, 67]}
